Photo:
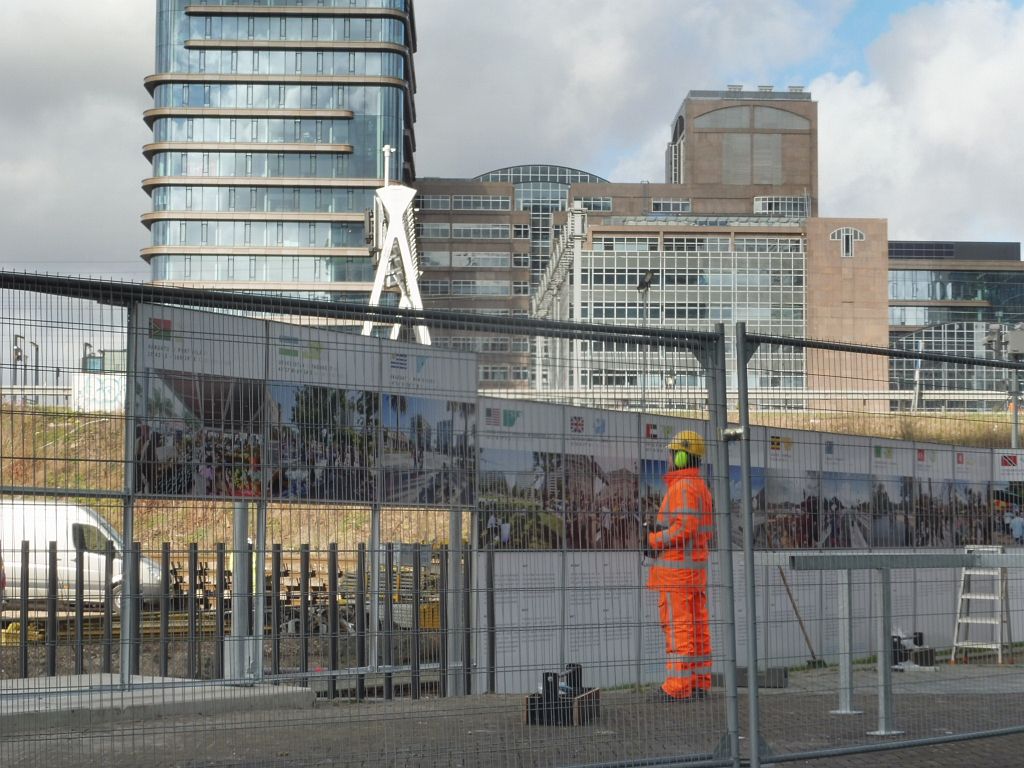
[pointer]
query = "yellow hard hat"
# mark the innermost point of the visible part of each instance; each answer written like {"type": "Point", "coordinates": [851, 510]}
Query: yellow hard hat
{"type": "Point", "coordinates": [688, 441]}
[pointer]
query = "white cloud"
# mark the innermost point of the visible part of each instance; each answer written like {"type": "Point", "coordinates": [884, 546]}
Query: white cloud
{"type": "Point", "coordinates": [930, 138]}
{"type": "Point", "coordinates": [588, 83]}
{"type": "Point", "coordinates": [927, 136]}
{"type": "Point", "coordinates": [72, 135]}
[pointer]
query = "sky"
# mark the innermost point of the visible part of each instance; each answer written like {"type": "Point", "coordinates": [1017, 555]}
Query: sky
{"type": "Point", "coordinates": [920, 115]}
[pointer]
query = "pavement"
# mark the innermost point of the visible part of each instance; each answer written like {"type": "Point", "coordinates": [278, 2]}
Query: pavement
{"type": "Point", "coordinates": [634, 728]}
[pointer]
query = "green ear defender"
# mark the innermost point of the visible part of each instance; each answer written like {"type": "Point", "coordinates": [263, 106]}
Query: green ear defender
{"type": "Point", "coordinates": [681, 459]}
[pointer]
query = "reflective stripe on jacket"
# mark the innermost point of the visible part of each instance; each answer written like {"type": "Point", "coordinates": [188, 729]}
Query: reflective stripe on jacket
{"type": "Point", "coordinates": [689, 527]}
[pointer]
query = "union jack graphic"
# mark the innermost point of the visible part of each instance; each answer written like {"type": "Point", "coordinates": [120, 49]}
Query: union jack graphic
{"type": "Point", "coordinates": [576, 424]}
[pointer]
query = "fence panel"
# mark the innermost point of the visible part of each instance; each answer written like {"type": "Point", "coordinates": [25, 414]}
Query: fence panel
{"type": "Point", "coordinates": [878, 519]}
{"type": "Point", "coordinates": [350, 549]}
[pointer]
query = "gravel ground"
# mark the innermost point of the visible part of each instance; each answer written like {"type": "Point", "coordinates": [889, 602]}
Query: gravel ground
{"type": "Point", "coordinates": [488, 730]}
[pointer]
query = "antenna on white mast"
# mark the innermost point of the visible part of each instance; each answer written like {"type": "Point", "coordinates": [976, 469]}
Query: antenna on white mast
{"type": "Point", "coordinates": [393, 244]}
{"type": "Point", "coordinates": [388, 151]}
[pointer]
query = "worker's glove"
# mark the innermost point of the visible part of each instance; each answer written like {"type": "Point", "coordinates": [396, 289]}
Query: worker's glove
{"type": "Point", "coordinates": [648, 527]}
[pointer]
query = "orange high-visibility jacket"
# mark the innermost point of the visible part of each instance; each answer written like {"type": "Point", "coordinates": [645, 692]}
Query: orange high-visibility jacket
{"type": "Point", "coordinates": [689, 528]}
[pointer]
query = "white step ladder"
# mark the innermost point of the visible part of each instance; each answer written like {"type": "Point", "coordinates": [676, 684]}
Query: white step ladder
{"type": "Point", "coordinates": [988, 590]}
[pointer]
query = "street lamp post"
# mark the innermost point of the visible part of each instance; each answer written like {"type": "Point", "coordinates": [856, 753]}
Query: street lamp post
{"type": "Point", "coordinates": [35, 363]}
{"type": "Point", "coordinates": [18, 357]}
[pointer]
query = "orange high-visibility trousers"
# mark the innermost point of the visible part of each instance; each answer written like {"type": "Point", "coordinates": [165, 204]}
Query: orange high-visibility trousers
{"type": "Point", "coordinates": [684, 620]}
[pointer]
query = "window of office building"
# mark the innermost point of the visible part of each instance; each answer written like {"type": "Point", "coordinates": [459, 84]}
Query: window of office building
{"type": "Point", "coordinates": [481, 203]}
{"type": "Point", "coordinates": [433, 202]}
{"type": "Point", "coordinates": [625, 243]}
{"type": "Point", "coordinates": [597, 204]}
{"type": "Point", "coordinates": [670, 205]}
{"type": "Point", "coordinates": [481, 288]}
{"type": "Point", "coordinates": [432, 230]}
{"type": "Point", "coordinates": [482, 231]}
{"type": "Point", "coordinates": [493, 373]}
{"type": "Point", "coordinates": [782, 206]}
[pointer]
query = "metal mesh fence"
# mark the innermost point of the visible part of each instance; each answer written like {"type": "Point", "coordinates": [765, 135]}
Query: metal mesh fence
{"type": "Point", "coordinates": [880, 556]}
{"type": "Point", "coordinates": [235, 530]}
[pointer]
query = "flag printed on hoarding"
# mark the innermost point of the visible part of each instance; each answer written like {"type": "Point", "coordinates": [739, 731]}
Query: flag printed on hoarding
{"type": "Point", "coordinates": [400, 362]}
{"type": "Point", "coordinates": [651, 432]}
{"type": "Point", "coordinates": [501, 417]}
{"type": "Point", "coordinates": [576, 424]}
{"type": "Point", "coordinates": [780, 443]}
{"type": "Point", "coordinates": [160, 328]}
{"type": "Point", "coordinates": [1007, 460]}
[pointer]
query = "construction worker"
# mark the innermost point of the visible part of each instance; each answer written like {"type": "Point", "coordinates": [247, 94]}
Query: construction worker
{"type": "Point", "coordinates": [679, 541]}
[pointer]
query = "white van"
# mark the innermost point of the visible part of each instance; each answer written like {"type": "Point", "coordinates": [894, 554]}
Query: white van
{"type": "Point", "coordinates": [73, 528]}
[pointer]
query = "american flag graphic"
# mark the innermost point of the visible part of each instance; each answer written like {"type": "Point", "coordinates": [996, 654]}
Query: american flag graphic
{"type": "Point", "coordinates": [1008, 461]}
{"type": "Point", "coordinates": [576, 424]}
{"type": "Point", "coordinates": [492, 417]}
{"type": "Point", "coordinates": [399, 362]}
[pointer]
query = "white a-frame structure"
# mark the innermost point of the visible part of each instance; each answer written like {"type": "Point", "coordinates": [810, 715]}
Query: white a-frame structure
{"type": "Point", "coordinates": [394, 247]}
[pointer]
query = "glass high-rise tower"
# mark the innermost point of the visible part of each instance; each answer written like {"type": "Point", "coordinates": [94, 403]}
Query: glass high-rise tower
{"type": "Point", "coordinates": [268, 121]}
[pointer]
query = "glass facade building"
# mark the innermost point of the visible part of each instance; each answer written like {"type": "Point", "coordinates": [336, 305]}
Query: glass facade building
{"type": "Point", "coordinates": [540, 190]}
{"type": "Point", "coordinates": [700, 275]}
{"type": "Point", "coordinates": [268, 119]}
{"type": "Point", "coordinates": [942, 298]}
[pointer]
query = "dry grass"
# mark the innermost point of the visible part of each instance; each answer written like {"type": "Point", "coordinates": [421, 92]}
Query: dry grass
{"type": "Point", "coordinates": [968, 429]}
{"type": "Point", "coordinates": [977, 429]}
{"type": "Point", "coordinates": [57, 448]}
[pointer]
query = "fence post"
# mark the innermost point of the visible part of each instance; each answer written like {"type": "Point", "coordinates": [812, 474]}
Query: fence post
{"type": "Point", "coordinates": [718, 416]}
{"type": "Point", "coordinates": [129, 564]}
{"type": "Point", "coordinates": [883, 629]}
{"type": "Point", "coordinates": [415, 652]}
{"type": "Point", "coordinates": [165, 607]}
{"type": "Point", "coordinates": [744, 351]}
{"type": "Point", "coordinates": [275, 609]}
{"type": "Point", "coordinates": [221, 576]}
{"type": "Point", "coordinates": [442, 588]}
{"type": "Point", "coordinates": [304, 613]}
{"type": "Point", "coordinates": [23, 626]}
{"type": "Point", "coordinates": [467, 630]}
{"type": "Point", "coordinates": [51, 611]}
{"type": "Point", "coordinates": [236, 659]}
{"type": "Point", "coordinates": [845, 606]}
{"type": "Point", "coordinates": [136, 646]}
{"type": "Point", "coordinates": [389, 625]}
{"type": "Point", "coordinates": [79, 611]}
{"type": "Point", "coordinates": [332, 616]}
{"type": "Point", "coordinates": [108, 607]}
{"type": "Point", "coordinates": [492, 646]}
{"type": "Point", "coordinates": [193, 577]}
{"type": "Point", "coordinates": [361, 621]}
